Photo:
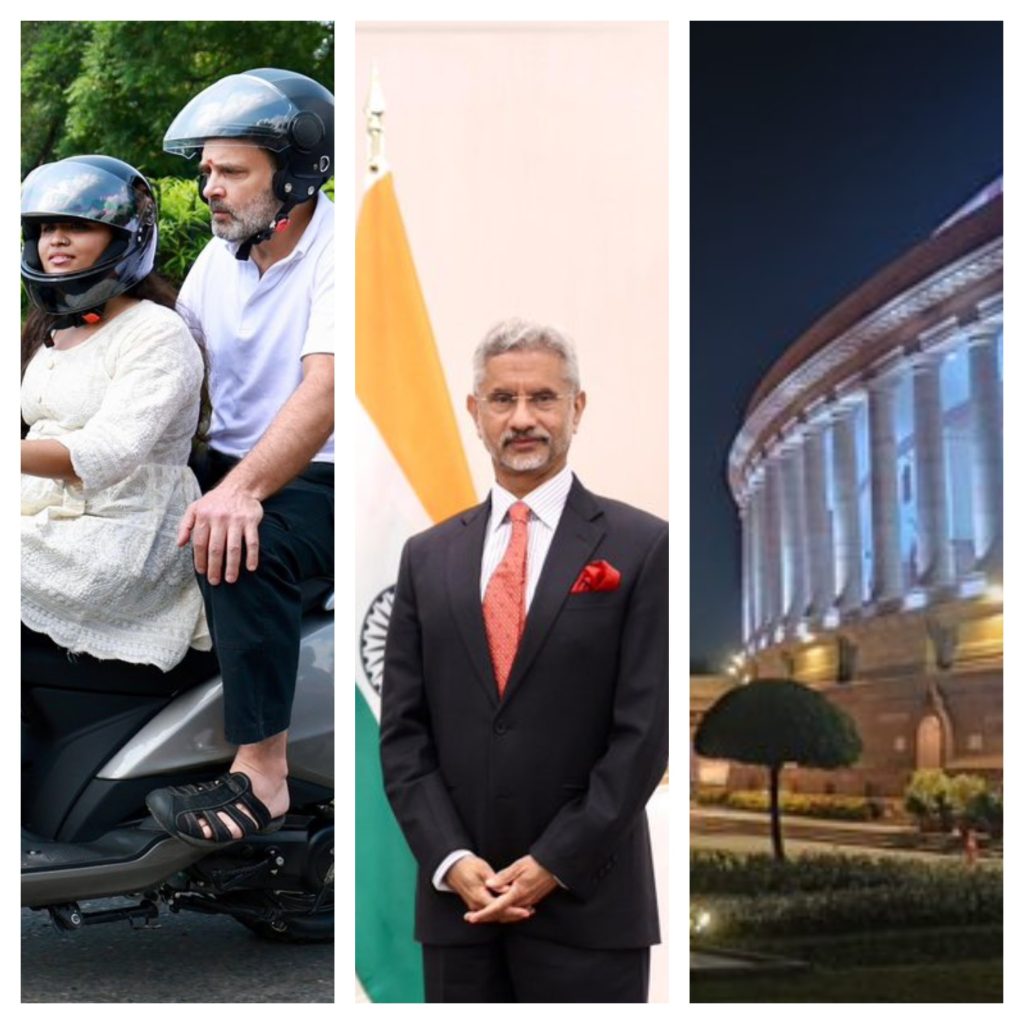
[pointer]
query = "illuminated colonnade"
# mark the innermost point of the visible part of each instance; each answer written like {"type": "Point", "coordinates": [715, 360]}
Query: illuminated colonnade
{"type": "Point", "coordinates": [868, 473]}
{"type": "Point", "coordinates": [812, 558]}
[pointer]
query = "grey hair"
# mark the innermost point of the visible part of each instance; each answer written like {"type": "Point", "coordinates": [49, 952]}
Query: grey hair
{"type": "Point", "coordinates": [517, 335]}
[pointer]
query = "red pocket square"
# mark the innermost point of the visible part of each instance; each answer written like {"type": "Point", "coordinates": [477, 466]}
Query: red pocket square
{"type": "Point", "coordinates": [597, 576]}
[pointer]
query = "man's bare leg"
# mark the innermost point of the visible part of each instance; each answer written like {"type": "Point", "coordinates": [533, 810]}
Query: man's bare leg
{"type": "Point", "coordinates": [266, 764]}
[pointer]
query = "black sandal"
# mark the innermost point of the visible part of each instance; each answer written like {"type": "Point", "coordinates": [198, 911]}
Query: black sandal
{"type": "Point", "coordinates": [180, 810]}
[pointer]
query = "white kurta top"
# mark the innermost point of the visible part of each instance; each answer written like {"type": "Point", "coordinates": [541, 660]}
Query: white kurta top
{"type": "Point", "coordinates": [100, 570]}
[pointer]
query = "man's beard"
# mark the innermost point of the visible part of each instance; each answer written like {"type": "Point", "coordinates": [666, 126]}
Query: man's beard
{"type": "Point", "coordinates": [245, 221]}
{"type": "Point", "coordinates": [551, 448]}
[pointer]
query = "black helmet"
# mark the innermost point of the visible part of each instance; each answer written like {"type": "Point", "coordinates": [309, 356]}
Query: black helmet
{"type": "Point", "coordinates": [282, 111]}
{"type": "Point", "coordinates": [102, 190]}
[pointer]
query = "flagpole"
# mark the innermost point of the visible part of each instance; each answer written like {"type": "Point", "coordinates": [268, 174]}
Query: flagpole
{"type": "Point", "coordinates": [374, 110]}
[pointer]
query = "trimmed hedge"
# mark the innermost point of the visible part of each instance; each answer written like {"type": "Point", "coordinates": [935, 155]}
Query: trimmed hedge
{"type": "Point", "coordinates": [718, 872]}
{"type": "Point", "coordinates": [809, 805]}
{"type": "Point", "coordinates": [978, 899]}
{"type": "Point", "coordinates": [752, 896]}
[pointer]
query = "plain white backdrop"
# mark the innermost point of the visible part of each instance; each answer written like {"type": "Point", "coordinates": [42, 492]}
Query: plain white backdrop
{"type": "Point", "coordinates": [530, 162]}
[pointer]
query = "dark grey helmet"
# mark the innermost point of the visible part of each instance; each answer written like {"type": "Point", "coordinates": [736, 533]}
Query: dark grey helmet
{"type": "Point", "coordinates": [281, 111]}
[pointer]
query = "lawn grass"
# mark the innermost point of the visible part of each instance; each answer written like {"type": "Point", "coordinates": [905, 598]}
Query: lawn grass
{"type": "Point", "coordinates": [925, 946]}
{"type": "Point", "coordinates": [964, 981]}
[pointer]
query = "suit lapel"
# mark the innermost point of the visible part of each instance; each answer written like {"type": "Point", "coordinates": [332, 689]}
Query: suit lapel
{"type": "Point", "coordinates": [580, 529]}
{"type": "Point", "coordinates": [465, 554]}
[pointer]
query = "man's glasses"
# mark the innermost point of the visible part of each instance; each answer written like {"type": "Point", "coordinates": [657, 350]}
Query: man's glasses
{"type": "Point", "coordinates": [501, 403]}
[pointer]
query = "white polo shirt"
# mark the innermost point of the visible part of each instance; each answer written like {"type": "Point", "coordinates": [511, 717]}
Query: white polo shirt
{"type": "Point", "coordinates": [257, 329]}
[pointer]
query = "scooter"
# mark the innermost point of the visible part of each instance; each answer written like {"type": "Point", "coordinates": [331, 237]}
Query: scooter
{"type": "Point", "coordinates": [90, 756]}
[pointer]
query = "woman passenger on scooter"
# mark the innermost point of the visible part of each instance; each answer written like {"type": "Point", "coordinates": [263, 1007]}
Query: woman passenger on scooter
{"type": "Point", "coordinates": [112, 381]}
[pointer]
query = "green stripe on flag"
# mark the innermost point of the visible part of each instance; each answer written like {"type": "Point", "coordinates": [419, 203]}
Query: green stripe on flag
{"type": "Point", "coordinates": [388, 962]}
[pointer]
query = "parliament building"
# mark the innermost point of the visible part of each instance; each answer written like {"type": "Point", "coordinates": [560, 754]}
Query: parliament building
{"type": "Point", "coordinates": [868, 475]}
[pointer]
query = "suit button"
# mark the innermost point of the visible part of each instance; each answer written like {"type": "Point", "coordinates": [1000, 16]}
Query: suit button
{"type": "Point", "coordinates": [500, 728]}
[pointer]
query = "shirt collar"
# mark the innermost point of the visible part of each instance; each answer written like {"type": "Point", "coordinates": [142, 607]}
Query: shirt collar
{"type": "Point", "coordinates": [545, 502]}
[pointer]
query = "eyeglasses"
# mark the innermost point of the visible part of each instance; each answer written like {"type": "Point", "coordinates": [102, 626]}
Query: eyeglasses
{"type": "Point", "coordinates": [501, 403]}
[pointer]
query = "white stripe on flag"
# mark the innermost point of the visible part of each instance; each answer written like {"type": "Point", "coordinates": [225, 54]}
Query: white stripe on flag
{"type": "Point", "coordinates": [388, 512]}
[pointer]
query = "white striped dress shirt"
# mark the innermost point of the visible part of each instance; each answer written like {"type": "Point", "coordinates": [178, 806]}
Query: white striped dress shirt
{"type": "Point", "coordinates": [546, 504]}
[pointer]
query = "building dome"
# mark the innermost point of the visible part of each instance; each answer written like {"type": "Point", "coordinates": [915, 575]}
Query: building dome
{"type": "Point", "coordinates": [868, 476]}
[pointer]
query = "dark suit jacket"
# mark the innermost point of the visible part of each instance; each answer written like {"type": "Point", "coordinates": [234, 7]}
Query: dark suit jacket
{"type": "Point", "coordinates": [563, 765]}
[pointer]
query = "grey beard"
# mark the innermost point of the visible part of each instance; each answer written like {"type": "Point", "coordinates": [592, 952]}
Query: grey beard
{"type": "Point", "coordinates": [248, 220]}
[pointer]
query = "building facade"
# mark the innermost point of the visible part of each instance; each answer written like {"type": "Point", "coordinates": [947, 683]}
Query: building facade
{"type": "Point", "coordinates": [868, 477]}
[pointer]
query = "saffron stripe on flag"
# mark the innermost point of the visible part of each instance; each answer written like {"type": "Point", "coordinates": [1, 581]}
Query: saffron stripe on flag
{"type": "Point", "coordinates": [411, 471]}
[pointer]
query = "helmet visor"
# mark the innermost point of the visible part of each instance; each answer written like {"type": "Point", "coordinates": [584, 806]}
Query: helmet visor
{"type": "Point", "coordinates": [73, 189]}
{"type": "Point", "coordinates": [239, 106]}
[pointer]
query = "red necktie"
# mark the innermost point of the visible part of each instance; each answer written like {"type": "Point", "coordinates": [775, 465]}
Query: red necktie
{"type": "Point", "coordinates": [505, 599]}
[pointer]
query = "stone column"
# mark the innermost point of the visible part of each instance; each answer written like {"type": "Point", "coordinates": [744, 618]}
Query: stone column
{"type": "Point", "coordinates": [818, 544]}
{"type": "Point", "coordinates": [934, 552]}
{"type": "Point", "coordinates": [887, 577]}
{"type": "Point", "coordinates": [849, 586]}
{"type": "Point", "coordinates": [794, 533]}
{"type": "Point", "coordinates": [745, 565]}
{"type": "Point", "coordinates": [755, 586]}
{"type": "Point", "coordinates": [986, 417]}
{"type": "Point", "coordinates": [771, 545]}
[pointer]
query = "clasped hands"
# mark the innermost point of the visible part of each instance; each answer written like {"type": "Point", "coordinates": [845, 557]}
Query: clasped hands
{"type": "Point", "coordinates": [500, 897]}
{"type": "Point", "coordinates": [217, 524]}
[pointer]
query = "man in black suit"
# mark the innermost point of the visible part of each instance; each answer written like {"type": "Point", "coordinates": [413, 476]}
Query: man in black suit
{"type": "Point", "coordinates": [525, 699]}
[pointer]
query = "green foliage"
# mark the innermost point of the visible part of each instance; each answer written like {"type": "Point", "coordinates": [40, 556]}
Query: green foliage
{"type": "Point", "coordinates": [964, 793]}
{"type": "Point", "coordinates": [777, 721]}
{"type": "Point", "coordinates": [717, 872]}
{"type": "Point", "coordinates": [184, 226]}
{"type": "Point", "coordinates": [976, 899]}
{"type": "Point", "coordinates": [927, 797]}
{"type": "Point", "coordinates": [985, 812]}
{"type": "Point", "coordinates": [941, 802]}
{"type": "Point", "coordinates": [830, 894]}
{"type": "Point", "coordinates": [51, 58]}
{"type": "Point", "coordinates": [115, 86]}
{"type": "Point", "coordinates": [810, 805]}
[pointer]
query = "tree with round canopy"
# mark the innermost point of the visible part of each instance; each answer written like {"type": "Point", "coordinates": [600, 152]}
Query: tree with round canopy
{"type": "Point", "coordinates": [774, 722]}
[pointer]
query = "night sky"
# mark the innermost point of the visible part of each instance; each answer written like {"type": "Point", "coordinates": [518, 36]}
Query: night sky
{"type": "Point", "coordinates": [819, 152]}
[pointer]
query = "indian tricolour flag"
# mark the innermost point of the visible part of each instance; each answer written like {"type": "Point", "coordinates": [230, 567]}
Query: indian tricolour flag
{"type": "Point", "coordinates": [411, 471]}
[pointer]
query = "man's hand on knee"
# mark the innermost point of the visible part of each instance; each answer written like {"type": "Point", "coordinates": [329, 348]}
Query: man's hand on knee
{"type": "Point", "coordinates": [218, 524]}
{"type": "Point", "coordinates": [467, 876]}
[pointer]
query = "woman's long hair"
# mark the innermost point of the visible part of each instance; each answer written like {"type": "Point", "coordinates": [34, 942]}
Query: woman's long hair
{"type": "Point", "coordinates": [40, 325]}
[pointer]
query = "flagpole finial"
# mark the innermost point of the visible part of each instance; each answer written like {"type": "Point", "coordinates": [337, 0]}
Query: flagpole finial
{"type": "Point", "coordinates": [374, 111]}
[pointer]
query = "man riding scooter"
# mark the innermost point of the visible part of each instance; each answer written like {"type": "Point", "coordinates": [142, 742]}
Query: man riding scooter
{"type": "Point", "coordinates": [120, 692]}
{"type": "Point", "coordinates": [261, 293]}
